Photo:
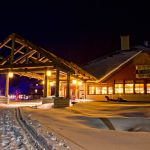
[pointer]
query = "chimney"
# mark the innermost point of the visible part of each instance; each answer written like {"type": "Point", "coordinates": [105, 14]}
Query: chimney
{"type": "Point", "coordinates": [125, 42]}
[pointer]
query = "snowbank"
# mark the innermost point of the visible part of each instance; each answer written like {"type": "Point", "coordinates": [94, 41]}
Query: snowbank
{"type": "Point", "coordinates": [45, 106]}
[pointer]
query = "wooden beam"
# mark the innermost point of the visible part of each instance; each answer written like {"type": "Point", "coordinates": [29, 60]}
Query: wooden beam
{"type": "Point", "coordinates": [68, 86]}
{"type": "Point", "coordinates": [5, 42]}
{"type": "Point", "coordinates": [46, 85]}
{"type": "Point", "coordinates": [57, 83]}
{"type": "Point", "coordinates": [12, 50]}
{"type": "Point", "coordinates": [30, 75]}
{"type": "Point", "coordinates": [30, 53]}
{"type": "Point", "coordinates": [27, 58]}
{"type": "Point", "coordinates": [37, 65]}
{"type": "Point", "coordinates": [47, 54]}
{"type": "Point", "coordinates": [85, 89]}
{"type": "Point", "coordinates": [8, 57]}
{"type": "Point", "coordinates": [7, 85]}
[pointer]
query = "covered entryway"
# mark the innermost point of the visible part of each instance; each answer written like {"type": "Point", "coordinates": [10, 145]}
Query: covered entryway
{"type": "Point", "coordinates": [21, 57]}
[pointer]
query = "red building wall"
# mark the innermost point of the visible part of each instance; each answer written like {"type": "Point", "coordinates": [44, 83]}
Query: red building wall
{"type": "Point", "coordinates": [128, 71]}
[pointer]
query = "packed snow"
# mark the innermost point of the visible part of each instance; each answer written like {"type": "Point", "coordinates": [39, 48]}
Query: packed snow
{"type": "Point", "coordinates": [81, 125]}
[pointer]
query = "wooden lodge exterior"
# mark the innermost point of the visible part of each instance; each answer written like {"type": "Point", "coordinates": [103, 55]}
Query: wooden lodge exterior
{"type": "Point", "coordinates": [124, 73]}
{"type": "Point", "coordinates": [129, 79]}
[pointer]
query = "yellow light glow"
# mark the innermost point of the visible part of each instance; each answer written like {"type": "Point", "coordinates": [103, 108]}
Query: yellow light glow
{"type": "Point", "coordinates": [48, 73]}
{"type": "Point", "coordinates": [120, 90]}
{"type": "Point", "coordinates": [110, 90]}
{"type": "Point", "coordinates": [52, 83]}
{"type": "Point", "coordinates": [10, 74]}
{"type": "Point", "coordinates": [104, 90]}
{"type": "Point", "coordinates": [74, 81]}
{"type": "Point", "coordinates": [42, 82]}
{"type": "Point", "coordinates": [80, 83]}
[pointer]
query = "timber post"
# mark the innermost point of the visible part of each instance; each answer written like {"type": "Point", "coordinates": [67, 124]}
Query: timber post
{"type": "Point", "coordinates": [85, 89]}
{"type": "Point", "coordinates": [68, 86]}
{"type": "Point", "coordinates": [46, 85]}
{"type": "Point", "coordinates": [7, 85]}
{"type": "Point", "coordinates": [57, 82]}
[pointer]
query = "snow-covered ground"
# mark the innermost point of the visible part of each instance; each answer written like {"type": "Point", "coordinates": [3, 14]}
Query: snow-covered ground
{"type": "Point", "coordinates": [21, 104]}
{"type": "Point", "coordinates": [82, 126]}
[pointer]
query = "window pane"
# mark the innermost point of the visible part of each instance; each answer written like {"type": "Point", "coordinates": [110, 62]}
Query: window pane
{"type": "Point", "coordinates": [110, 90]}
{"type": "Point", "coordinates": [118, 88]}
{"type": "Point", "coordinates": [91, 89]}
{"type": "Point", "coordinates": [98, 90]}
{"type": "Point", "coordinates": [128, 88]}
{"type": "Point", "coordinates": [148, 88]}
{"type": "Point", "coordinates": [104, 90]}
{"type": "Point", "coordinates": [139, 88]}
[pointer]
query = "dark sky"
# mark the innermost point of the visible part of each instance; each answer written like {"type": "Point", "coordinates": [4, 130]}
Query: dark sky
{"type": "Point", "coordinates": [76, 30]}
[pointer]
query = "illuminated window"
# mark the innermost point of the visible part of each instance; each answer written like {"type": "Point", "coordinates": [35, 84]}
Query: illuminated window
{"type": "Point", "coordinates": [148, 88]}
{"type": "Point", "coordinates": [91, 90]}
{"type": "Point", "coordinates": [139, 88]}
{"type": "Point", "coordinates": [98, 90]}
{"type": "Point", "coordinates": [110, 90]}
{"type": "Point", "coordinates": [104, 90]}
{"type": "Point", "coordinates": [128, 88]}
{"type": "Point", "coordinates": [118, 88]}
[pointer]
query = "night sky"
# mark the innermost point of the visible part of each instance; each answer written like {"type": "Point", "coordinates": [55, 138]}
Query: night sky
{"type": "Point", "coordinates": [76, 30]}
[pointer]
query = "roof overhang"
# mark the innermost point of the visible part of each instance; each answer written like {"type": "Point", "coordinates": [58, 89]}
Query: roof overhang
{"type": "Point", "coordinates": [106, 76]}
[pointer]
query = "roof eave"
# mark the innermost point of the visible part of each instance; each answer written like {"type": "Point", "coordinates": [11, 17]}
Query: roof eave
{"type": "Point", "coordinates": [118, 67]}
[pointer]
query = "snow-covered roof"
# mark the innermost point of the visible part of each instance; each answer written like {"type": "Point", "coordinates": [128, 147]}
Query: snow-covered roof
{"type": "Point", "coordinates": [104, 66]}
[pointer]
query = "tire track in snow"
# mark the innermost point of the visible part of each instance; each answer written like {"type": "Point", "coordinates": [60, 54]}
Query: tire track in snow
{"type": "Point", "coordinates": [108, 123]}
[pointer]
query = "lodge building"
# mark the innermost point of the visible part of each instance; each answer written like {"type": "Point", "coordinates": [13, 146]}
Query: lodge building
{"type": "Point", "coordinates": [124, 73]}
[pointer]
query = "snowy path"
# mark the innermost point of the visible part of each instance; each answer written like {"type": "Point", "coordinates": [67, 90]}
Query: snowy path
{"type": "Point", "coordinates": [12, 137]}
{"type": "Point", "coordinates": [88, 132]}
{"type": "Point", "coordinates": [18, 134]}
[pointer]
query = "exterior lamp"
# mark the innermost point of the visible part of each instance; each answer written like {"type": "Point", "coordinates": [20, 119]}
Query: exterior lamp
{"type": "Point", "coordinates": [35, 90]}
{"type": "Point", "coordinates": [52, 83]}
{"type": "Point", "coordinates": [74, 81]}
{"type": "Point", "coordinates": [80, 83]}
{"type": "Point", "coordinates": [10, 74]}
{"type": "Point", "coordinates": [48, 73]}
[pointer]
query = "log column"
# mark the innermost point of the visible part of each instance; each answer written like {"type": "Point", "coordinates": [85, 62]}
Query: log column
{"type": "Point", "coordinates": [7, 85]}
{"type": "Point", "coordinates": [77, 90]}
{"type": "Point", "coordinates": [57, 82]}
{"type": "Point", "coordinates": [68, 86]}
{"type": "Point", "coordinates": [46, 85]}
{"type": "Point", "coordinates": [85, 89]}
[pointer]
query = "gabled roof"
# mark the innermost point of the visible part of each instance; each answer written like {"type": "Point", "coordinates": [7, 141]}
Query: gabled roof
{"type": "Point", "coordinates": [25, 58]}
{"type": "Point", "coordinates": [102, 67]}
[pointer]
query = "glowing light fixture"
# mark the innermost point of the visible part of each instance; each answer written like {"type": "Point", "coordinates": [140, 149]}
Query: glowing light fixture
{"type": "Point", "coordinates": [35, 90]}
{"type": "Point", "coordinates": [74, 81]}
{"type": "Point", "coordinates": [48, 73]}
{"type": "Point", "coordinates": [80, 83]}
{"type": "Point", "coordinates": [42, 82]}
{"type": "Point", "coordinates": [10, 74]}
{"type": "Point", "coordinates": [52, 83]}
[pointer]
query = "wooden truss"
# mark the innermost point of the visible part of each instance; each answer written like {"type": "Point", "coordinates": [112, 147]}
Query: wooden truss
{"type": "Point", "coordinates": [26, 59]}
